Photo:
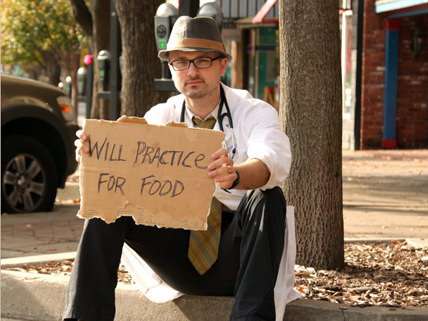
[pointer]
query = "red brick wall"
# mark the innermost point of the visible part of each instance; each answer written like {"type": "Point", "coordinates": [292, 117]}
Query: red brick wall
{"type": "Point", "coordinates": [412, 90]}
{"type": "Point", "coordinates": [412, 94]}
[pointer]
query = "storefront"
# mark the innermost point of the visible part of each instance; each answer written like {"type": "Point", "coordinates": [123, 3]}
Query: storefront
{"type": "Point", "coordinates": [394, 98]}
{"type": "Point", "coordinates": [253, 43]}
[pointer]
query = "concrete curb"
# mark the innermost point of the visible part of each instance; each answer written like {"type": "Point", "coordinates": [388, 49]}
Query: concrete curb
{"type": "Point", "coordinates": [17, 261]}
{"type": "Point", "coordinates": [38, 297]}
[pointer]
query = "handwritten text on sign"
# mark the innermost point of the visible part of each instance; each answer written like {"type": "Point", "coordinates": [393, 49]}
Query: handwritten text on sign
{"type": "Point", "coordinates": [157, 174]}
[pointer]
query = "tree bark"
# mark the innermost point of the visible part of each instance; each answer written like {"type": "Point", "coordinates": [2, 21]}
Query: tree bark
{"type": "Point", "coordinates": [140, 64]}
{"type": "Point", "coordinates": [310, 111]}
{"type": "Point", "coordinates": [71, 63]}
{"type": "Point", "coordinates": [100, 41]}
{"type": "Point", "coordinates": [96, 23]}
{"type": "Point", "coordinates": [53, 70]}
{"type": "Point", "coordinates": [82, 15]}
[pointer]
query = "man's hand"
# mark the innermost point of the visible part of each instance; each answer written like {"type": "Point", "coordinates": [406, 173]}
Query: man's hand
{"type": "Point", "coordinates": [221, 169]}
{"type": "Point", "coordinates": [82, 144]}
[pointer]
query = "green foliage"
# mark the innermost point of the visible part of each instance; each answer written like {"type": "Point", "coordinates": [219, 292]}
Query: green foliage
{"type": "Point", "coordinates": [36, 31]}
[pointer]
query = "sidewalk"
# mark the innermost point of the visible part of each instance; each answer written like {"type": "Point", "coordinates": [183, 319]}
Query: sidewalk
{"type": "Point", "coordinates": [385, 197]}
{"type": "Point", "coordinates": [385, 194]}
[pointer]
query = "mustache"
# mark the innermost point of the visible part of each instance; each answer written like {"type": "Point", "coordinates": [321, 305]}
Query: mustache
{"type": "Point", "coordinates": [193, 79]}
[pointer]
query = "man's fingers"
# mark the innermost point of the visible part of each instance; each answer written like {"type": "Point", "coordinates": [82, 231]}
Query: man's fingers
{"type": "Point", "coordinates": [85, 149]}
{"type": "Point", "coordinates": [228, 178]}
{"type": "Point", "coordinates": [81, 147]}
{"type": "Point", "coordinates": [219, 162]}
{"type": "Point", "coordinates": [82, 135]}
{"type": "Point", "coordinates": [221, 171]}
{"type": "Point", "coordinates": [219, 153]}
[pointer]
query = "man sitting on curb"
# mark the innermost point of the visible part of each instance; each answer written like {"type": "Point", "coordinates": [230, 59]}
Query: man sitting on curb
{"type": "Point", "coordinates": [241, 252]}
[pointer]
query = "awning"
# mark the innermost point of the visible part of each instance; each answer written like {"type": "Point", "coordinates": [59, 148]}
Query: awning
{"type": "Point", "coordinates": [238, 9]}
{"type": "Point", "coordinates": [264, 10]}
{"type": "Point", "coordinates": [391, 5]}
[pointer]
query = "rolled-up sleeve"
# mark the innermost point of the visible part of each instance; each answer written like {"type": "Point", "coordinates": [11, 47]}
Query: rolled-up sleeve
{"type": "Point", "coordinates": [158, 114]}
{"type": "Point", "coordinates": [268, 143]}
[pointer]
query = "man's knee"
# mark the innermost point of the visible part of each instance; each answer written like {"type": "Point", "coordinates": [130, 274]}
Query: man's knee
{"type": "Point", "coordinates": [95, 228]}
{"type": "Point", "coordinates": [260, 203]}
{"type": "Point", "coordinates": [95, 221]}
{"type": "Point", "coordinates": [270, 196]}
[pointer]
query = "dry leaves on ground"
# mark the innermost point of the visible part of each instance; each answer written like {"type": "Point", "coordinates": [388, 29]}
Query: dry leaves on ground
{"type": "Point", "coordinates": [382, 274]}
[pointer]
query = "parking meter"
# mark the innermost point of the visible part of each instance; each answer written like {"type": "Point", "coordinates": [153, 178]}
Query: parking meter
{"type": "Point", "coordinates": [103, 60]}
{"type": "Point", "coordinates": [81, 81]}
{"type": "Point", "coordinates": [67, 86]}
{"type": "Point", "coordinates": [166, 15]}
{"type": "Point", "coordinates": [213, 10]}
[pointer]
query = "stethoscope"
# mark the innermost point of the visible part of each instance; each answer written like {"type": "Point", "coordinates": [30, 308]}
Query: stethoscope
{"type": "Point", "coordinates": [231, 148]}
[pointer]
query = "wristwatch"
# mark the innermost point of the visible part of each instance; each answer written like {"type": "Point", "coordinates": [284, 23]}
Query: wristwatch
{"type": "Point", "coordinates": [236, 181]}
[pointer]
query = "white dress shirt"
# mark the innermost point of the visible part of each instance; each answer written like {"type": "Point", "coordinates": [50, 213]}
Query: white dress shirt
{"type": "Point", "coordinates": [256, 134]}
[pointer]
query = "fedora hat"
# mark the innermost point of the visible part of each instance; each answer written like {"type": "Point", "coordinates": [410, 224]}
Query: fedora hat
{"type": "Point", "coordinates": [194, 34]}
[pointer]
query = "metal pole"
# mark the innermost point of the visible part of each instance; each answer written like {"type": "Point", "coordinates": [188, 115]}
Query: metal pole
{"type": "Point", "coordinates": [88, 89]}
{"type": "Point", "coordinates": [358, 78]}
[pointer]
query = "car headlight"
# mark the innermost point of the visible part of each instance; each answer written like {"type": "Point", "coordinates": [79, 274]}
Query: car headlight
{"type": "Point", "coordinates": [66, 107]}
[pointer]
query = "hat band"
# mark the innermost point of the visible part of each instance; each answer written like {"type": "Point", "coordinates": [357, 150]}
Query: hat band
{"type": "Point", "coordinates": [198, 43]}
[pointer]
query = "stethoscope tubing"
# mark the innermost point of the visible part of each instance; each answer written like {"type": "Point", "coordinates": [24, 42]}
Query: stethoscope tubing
{"type": "Point", "coordinates": [220, 115]}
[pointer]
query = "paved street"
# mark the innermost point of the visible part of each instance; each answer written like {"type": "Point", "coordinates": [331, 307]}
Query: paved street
{"type": "Point", "coordinates": [40, 233]}
{"type": "Point", "coordinates": [43, 233]}
{"type": "Point", "coordinates": [385, 196]}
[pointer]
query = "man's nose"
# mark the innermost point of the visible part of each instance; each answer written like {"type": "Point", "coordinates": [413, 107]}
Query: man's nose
{"type": "Point", "coordinates": [192, 69]}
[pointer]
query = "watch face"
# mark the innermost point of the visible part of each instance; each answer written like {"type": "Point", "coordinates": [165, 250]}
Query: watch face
{"type": "Point", "coordinates": [161, 31]}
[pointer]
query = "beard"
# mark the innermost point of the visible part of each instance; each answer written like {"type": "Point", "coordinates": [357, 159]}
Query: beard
{"type": "Point", "coordinates": [199, 90]}
{"type": "Point", "coordinates": [195, 94]}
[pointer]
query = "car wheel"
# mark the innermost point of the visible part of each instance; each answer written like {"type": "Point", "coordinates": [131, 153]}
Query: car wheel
{"type": "Point", "coordinates": [29, 176]}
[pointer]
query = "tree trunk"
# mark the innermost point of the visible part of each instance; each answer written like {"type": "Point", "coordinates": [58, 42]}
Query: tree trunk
{"type": "Point", "coordinates": [53, 70]}
{"type": "Point", "coordinates": [140, 65]}
{"type": "Point", "coordinates": [72, 64]}
{"type": "Point", "coordinates": [100, 41]}
{"type": "Point", "coordinates": [82, 15]}
{"type": "Point", "coordinates": [311, 113]}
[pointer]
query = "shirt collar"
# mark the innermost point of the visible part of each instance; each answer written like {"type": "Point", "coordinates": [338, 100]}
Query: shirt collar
{"type": "Point", "coordinates": [214, 113]}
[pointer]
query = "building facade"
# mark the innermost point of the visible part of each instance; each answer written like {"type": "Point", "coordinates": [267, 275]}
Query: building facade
{"type": "Point", "coordinates": [394, 87]}
{"type": "Point", "coordinates": [384, 65]}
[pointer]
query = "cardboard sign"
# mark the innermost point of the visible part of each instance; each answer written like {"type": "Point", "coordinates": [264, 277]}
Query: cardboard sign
{"type": "Point", "coordinates": [156, 174]}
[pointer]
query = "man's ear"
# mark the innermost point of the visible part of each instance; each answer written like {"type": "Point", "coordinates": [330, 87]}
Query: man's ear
{"type": "Point", "coordinates": [223, 64]}
{"type": "Point", "coordinates": [172, 71]}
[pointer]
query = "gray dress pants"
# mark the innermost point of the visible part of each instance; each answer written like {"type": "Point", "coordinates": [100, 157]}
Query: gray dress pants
{"type": "Point", "coordinates": [250, 251]}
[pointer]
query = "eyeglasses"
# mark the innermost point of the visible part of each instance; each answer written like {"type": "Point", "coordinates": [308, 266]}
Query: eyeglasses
{"type": "Point", "coordinates": [200, 63]}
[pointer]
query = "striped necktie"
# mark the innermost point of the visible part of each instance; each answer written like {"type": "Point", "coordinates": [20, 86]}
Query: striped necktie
{"type": "Point", "coordinates": [203, 245]}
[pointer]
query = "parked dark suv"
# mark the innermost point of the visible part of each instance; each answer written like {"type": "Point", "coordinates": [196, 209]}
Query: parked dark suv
{"type": "Point", "coordinates": [37, 134]}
